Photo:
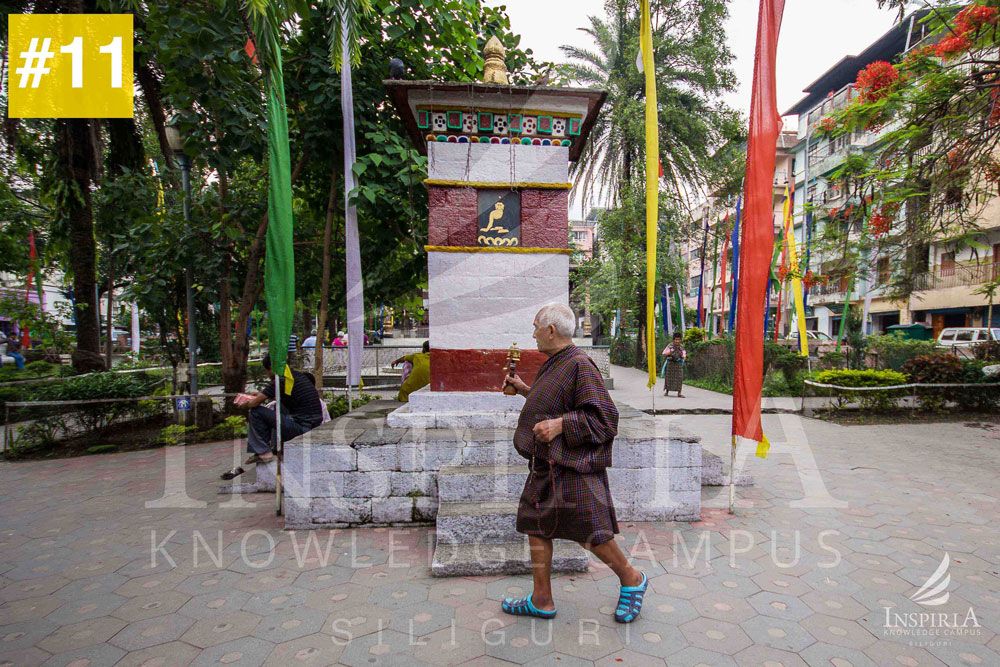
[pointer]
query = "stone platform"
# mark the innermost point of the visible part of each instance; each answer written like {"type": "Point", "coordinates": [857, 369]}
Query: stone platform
{"type": "Point", "coordinates": [358, 470]}
{"type": "Point", "coordinates": [457, 410]}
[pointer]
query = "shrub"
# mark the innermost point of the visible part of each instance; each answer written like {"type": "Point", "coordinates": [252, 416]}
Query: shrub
{"type": "Point", "coordinates": [98, 416]}
{"type": "Point", "coordinates": [934, 369]}
{"type": "Point", "coordinates": [711, 360]}
{"type": "Point", "coordinates": [893, 351]}
{"type": "Point", "coordinates": [338, 406]}
{"type": "Point", "coordinates": [978, 398]}
{"type": "Point", "coordinates": [987, 351]}
{"type": "Point", "coordinates": [867, 400]}
{"type": "Point", "coordinates": [230, 428]}
{"type": "Point", "coordinates": [832, 361]}
{"type": "Point", "coordinates": [694, 335]}
{"type": "Point", "coordinates": [177, 434]}
{"type": "Point", "coordinates": [623, 350]}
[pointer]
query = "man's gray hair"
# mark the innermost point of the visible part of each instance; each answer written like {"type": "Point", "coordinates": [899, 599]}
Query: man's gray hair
{"type": "Point", "coordinates": [559, 316]}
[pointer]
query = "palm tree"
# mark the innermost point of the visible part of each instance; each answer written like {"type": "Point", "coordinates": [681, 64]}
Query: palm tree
{"type": "Point", "coordinates": [692, 65]}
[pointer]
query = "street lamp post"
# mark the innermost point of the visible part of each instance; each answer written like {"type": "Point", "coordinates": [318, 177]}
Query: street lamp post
{"type": "Point", "coordinates": [176, 142]}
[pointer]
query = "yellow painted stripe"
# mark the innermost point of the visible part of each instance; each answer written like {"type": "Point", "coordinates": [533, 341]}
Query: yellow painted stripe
{"type": "Point", "coordinates": [516, 249]}
{"type": "Point", "coordinates": [497, 185]}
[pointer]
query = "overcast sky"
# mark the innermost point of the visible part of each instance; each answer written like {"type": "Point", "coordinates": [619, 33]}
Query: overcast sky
{"type": "Point", "coordinates": [815, 35]}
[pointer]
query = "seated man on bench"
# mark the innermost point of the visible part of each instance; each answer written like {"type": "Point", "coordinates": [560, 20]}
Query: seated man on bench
{"type": "Point", "coordinates": [302, 411]}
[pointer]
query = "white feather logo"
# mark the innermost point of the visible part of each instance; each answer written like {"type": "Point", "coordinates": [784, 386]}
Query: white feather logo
{"type": "Point", "coordinates": [933, 592]}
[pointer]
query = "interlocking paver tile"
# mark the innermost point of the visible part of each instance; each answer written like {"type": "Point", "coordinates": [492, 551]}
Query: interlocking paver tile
{"type": "Point", "coordinates": [212, 604]}
{"type": "Point", "coordinates": [316, 650]}
{"type": "Point", "coordinates": [221, 629]}
{"type": "Point", "coordinates": [246, 652]}
{"type": "Point", "coordinates": [152, 631]}
{"type": "Point", "coordinates": [723, 607]}
{"type": "Point", "coordinates": [582, 637]}
{"type": "Point", "coordinates": [421, 618]}
{"type": "Point", "coordinates": [323, 578]}
{"type": "Point", "coordinates": [692, 656]}
{"type": "Point", "coordinates": [25, 634]}
{"type": "Point", "coordinates": [292, 624]}
{"type": "Point", "coordinates": [340, 596]}
{"type": "Point", "coordinates": [151, 606]}
{"type": "Point", "coordinates": [81, 609]}
{"type": "Point", "coordinates": [84, 633]}
{"type": "Point", "coordinates": [630, 658]}
{"type": "Point", "coordinates": [450, 647]}
{"type": "Point", "coordinates": [381, 648]}
{"type": "Point", "coordinates": [83, 588]}
{"type": "Point", "coordinates": [780, 606]}
{"type": "Point", "coordinates": [897, 653]}
{"type": "Point", "coordinates": [825, 655]}
{"type": "Point", "coordinates": [651, 638]}
{"type": "Point", "coordinates": [833, 604]}
{"type": "Point", "coordinates": [25, 657]}
{"type": "Point", "coordinates": [679, 586]}
{"type": "Point", "coordinates": [522, 642]}
{"type": "Point", "coordinates": [713, 635]}
{"type": "Point", "coordinates": [758, 654]}
{"type": "Point", "coordinates": [397, 595]}
{"type": "Point", "coordinates": [777, 633]}
{"type": "Point", "coordinates": [839, 631]}
{"type": "Point", "coordinates": [98, 654]}
{"type": "Point", "coordinates": [356, 621]}
{"type": "Point", "coordinates": [266, 603]}
{"type": "Point", "coordinates": [29, 608]}
{"type": "Point", "coordinates": [209, 582]}
{"type": "Point", "coordinates": [171, 654]}
{"type": "Point", "coordinates": [31, 588]}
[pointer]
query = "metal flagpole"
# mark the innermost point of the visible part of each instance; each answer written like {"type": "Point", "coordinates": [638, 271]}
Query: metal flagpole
{"type": "Point", "coordinates": [277, 454]}
{"type": "Point", "coordinates": [348, 378]}
{"type": "Point", "coordinates": [732, 477]}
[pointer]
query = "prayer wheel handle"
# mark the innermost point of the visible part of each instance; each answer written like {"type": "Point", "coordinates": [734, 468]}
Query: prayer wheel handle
{"type": "Point", "coordinates": [513, 356]}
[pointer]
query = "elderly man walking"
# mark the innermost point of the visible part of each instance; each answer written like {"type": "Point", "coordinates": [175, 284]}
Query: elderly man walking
{"type": "Point", "coordinates": [566, 430]}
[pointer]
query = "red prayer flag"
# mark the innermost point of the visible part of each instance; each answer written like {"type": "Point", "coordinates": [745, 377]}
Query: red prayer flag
{"type": "Point", "coordinates": [757, 241]}
{"type": "Point", "coordinates": [251, 51]}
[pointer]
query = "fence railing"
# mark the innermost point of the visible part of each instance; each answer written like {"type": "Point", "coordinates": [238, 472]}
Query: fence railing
{"type": "Point", "coordinates": [958, 275]}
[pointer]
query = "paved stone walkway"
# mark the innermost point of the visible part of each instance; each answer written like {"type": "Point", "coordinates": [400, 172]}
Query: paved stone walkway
{"type": "Point", "coordinates": [97, 568]}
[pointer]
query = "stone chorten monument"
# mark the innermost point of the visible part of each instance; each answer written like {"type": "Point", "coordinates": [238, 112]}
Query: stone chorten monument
{"type": "Point", "coordinates": [498, 246]}
{"type": "Point", "coordinates": [498, 250]}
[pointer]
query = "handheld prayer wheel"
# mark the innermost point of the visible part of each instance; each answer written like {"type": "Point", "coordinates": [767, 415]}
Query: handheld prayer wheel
{"type": "Point", "coordinates": [513, 356]}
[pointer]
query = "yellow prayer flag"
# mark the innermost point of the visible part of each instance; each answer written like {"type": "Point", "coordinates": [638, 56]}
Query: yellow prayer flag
{"type": "Point", "coordinates": [652, 182]}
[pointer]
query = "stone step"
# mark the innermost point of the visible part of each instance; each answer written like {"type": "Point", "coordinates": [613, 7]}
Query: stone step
{"type": "Point", "coordinates": [497, 483]}
{"type": "Point", "coordinates": [464, 559]}
{"type": "Point", "coordinates": [485, 522]}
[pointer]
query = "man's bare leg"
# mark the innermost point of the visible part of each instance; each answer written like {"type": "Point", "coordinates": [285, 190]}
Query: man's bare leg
{"type": "Point", "coordinates": [611, 555]}
{"type": "Point", "coordinates": [541, 570]}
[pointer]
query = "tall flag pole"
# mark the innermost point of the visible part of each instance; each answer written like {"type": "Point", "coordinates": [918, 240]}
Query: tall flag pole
{"type": "Point", "coordinates": [722, 278]}
{"type": "Point", "coordinates": [805, 289]}
{"type": "Point", "coordinates": [793, 262]}
{"type": "Point", "coordinates": [701, 278]}
{"type": "Point", "coordinates": [757, 237]}
{"type": "Point", "coordinates": [678, 296]}
{"type": "Point", "coordinates": [652, 181]}
{"type": "Point", "coordinates": [355, 285]}
{"type": "Point", "coordinates": [715, 275]}
{"type": "Point", "coordinates": [736, 268]}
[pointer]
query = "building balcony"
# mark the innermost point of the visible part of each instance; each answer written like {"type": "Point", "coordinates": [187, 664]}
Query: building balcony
{"type": "Point", "coordinates": [967, 274]}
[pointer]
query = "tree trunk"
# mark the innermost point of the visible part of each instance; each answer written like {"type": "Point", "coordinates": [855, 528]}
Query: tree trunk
{"type": "Point", "coordinates": [111, 288]}
{"type": "Point", "coordinates": [324, 297]}
{"type": "Point", "coordinates": [75, 147]}
{"type": "Point", "coordinates": [235, 341]}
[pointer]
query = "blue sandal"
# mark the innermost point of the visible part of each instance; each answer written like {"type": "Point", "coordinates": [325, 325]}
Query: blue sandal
{"type": "Point", "coordinates": [524, 607]}
{"type": "Point", "coordinates": [630, 601]}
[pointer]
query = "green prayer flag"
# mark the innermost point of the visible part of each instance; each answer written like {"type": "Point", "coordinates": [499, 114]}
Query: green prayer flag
{"type": "Point", "coordinates": [279, 264]}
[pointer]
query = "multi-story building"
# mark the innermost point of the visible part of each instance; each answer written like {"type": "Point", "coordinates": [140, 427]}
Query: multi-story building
{"type": "Point", "coordinates": [945, 296]}
{"type": "Point", "coordinates": [582, 235]}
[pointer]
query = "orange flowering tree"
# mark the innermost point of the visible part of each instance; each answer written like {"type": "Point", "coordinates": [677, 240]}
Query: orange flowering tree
{"type": "Point", "coordinates": [932, 165]}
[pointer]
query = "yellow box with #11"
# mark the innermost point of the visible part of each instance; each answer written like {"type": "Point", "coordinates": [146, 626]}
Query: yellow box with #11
{"type": "Point", "coordinates": [70, 66]}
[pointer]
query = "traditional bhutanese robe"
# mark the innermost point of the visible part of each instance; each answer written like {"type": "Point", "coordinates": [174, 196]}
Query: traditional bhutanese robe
{"type": "Point", "coordinates": [566, 495]}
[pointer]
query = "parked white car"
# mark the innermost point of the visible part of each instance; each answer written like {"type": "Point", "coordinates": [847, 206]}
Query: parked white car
{"type": "Point", "coordinates": [965, 337]}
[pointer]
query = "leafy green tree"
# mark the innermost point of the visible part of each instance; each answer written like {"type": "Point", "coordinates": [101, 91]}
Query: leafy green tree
{"type": "Point", "coordinates": [692, 71]}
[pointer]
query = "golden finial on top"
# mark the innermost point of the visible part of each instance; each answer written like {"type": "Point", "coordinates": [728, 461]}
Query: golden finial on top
{"type": "Point", "coordinates": [495, 69]}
